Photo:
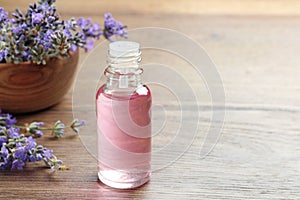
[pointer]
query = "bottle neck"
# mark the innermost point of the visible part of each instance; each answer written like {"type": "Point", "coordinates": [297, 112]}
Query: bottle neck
{"type": "Point", "coordinates": [123, 78]}
{"type": "Point", "coordinates": [123, 73]}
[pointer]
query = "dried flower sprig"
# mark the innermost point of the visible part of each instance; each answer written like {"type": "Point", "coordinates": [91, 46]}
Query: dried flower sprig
{"type": "Point", "coordinates": [38, 34]}
{"type": "Point", "coordinates": [18, 146]}
{"type": "Point", "coordinates": [35, 129]}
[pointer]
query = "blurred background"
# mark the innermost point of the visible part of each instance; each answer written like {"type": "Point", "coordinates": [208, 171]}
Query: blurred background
{"type": "Point", "coordinates": [247, 39]}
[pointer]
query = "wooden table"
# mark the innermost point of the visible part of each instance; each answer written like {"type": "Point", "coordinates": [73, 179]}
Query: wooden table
{"type": "Point", "coordinates": [255, 46]}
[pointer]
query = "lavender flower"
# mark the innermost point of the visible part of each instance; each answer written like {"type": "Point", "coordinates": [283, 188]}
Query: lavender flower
{"type": "Point", "coordinates": [89, 44]}
{"type": "Point", "coordinates": [88, 32]}
{"type": "Point", "coordinates": [17, 29]}
{"type": "Point", "coordinates": [3, 54]}
{"type": "Point", "coordinates": [3, 139]}
{"type": "Point", "coordinates": [37, 18]}
{"type": "Point", "coordinates": [17, 164]}
{"type": "Point", "coordinates": [49, 2]}
{"type": "Point", "coordinates": [73, 47]}
{"type": "Point", "coordinates": [3, 17]}
{"type": "Point", "coordinates": [20, 153]}
{"type": "Point", "coordinates": [113, 27]}
{"type": "Point", "coordinates": [16, 149]}
{"type": "Point", "coordinates": [38, 34]}
{"type": "Point", "coordinates": [83, 23]}
{"type": "Point", "coordinates": [10, 120]}
{"type": "Point", "coordinates": [7, 119]}
{"type": "Point", "coordinates": [4, 157]}
{"type": "Point", "coordinates": [76, 124]}
{"type": "Point", "coordinates": [33, 128]}
{"type": "Point", "coordinates": [89, 29]}
{"type": "Point", "coordinates": [47, 154]}
{"type": "Point", "coordinates": [13, 132]}
{"type": "Point", "coordinates": [58, 129]}
{"type": "Point", "coordinates": [30, 143]}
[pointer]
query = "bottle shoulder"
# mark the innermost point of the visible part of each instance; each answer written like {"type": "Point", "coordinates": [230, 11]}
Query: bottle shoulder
{"type": "Point", "coordinates": [140, 91]}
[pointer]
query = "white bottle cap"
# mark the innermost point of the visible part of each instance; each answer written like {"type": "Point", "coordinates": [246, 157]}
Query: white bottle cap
{"type": "Point", "coordinates": [124, 49]}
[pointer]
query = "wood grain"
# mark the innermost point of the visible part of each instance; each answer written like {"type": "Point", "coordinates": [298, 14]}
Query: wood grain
{"type": "Point", "coordinates": [28, 87]}
{"type": "Point", "coordinates": [255, 45]}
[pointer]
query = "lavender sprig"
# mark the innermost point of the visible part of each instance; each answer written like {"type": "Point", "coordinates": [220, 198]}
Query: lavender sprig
{"type": "Point", "coordinates": [17, 148]}
{"type": "Point", "coordinates": [113, 27]}
{"type": "Point", "coordinates": [38, 34]}
{"type": "Point", "coordinates": [36, 129]}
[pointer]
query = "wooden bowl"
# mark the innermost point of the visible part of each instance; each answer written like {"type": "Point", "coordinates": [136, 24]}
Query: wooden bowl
{"type": "Point", "coordinates": [28, 87]}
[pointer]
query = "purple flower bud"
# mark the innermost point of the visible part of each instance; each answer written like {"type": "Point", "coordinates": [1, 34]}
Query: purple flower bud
{"type": "Point", "coordinates": [16, 30]}
{"type": "Point", "coordinates": [83, 23]}
{"type": "Point", "coordinates": [19, 144]}
{"type": "Point", "coordinates": [3, 54]}
{"type": "Point", "coordinates": [94, 30]}
{"type": "Point", "coordinates": [50, 18]}
{"type": "Point", "coordinates": [44, 6]}
{"type": "Point", "coordinates": [4, 151]}
{"type": "Point", "coordinates": [38, 157]}
{"type": "Point", "coordinates": [10, 120]}
{"type": "Point", "coordinates": [31, 158]}
{"type": "Point", "coordinates": [67, 33]}
{"type": "Point", "coordinates": [4, 157]}
{"type": "Point", "coordinates": [21, 153]}
{"type": "Point", "coordinates": [36, 18]}
{"type": "Point", "coordinates": [3, 16]}
{"type": "Point", "coordinates": [31, 144]}
{"type": "Point", "coordinates": [26, 54]}
{"type": "Point", "coordinates": [48, 154]}
{"type": "Point", "coordinates": [89, 44]}
{"type": "Point", "coordinates": [3, 139]}
{"type": "Point", "coordinates": [73, 47]}
{"type": "Point", "coordinates": [13, 132]}
{"type": "Point", "coordinates": [113, 27]}
{"type": "Point", "coordinates": [33, 128]}
{"type": "Point", "coordinates": [17, 164]}
{"type": "Point", "coordinates": [107, 15]}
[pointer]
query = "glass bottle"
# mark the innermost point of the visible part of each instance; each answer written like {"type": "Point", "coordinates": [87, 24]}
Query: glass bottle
{"type": "Point", "coordinates": [123, 106]}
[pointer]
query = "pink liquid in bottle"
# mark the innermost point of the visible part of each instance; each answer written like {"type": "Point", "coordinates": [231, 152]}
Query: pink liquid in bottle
{"type": "Point", "coordinates": [124, 137]}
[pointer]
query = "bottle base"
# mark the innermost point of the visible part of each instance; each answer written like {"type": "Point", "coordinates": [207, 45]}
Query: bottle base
{"type": "Point", "coordinates": [128, 183]}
